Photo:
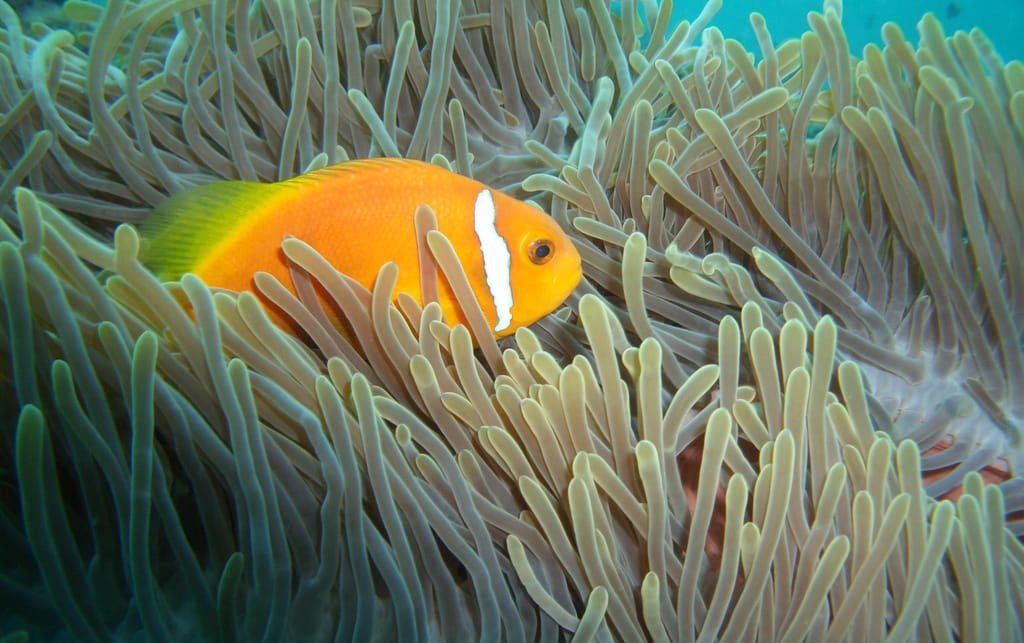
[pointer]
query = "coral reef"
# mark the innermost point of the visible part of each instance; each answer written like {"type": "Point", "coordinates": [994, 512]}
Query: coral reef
{"type": "Point", "coordinates": [799, 331]}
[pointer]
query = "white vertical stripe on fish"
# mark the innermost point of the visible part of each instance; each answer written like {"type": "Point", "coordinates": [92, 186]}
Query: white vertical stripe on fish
{"type": "Point", "coordinates": [497, 259]}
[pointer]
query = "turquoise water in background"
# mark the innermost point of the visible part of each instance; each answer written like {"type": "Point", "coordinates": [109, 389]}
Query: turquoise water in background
{"type": "Point", "coordinates": [1002, 21]}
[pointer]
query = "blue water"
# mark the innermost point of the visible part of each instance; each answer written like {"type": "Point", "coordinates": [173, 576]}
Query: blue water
{"type": "Point", "coordinates": [1002, 21]}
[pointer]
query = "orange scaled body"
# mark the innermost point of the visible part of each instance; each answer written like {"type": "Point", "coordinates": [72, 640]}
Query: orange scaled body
{"type": "Point", "coordinates": [359, 215]}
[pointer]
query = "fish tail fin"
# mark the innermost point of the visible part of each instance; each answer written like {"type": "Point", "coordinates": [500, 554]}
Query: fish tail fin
{"type": "Point", "coordinates": [183, 230]}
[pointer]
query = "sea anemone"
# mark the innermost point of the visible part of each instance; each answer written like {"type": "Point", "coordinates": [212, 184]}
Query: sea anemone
{"type": "Point", "coordinates": [801, 275]}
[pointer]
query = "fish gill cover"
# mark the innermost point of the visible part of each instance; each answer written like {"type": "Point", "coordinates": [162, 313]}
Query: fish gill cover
{"type": "Point", "coordinates": [799, 331]}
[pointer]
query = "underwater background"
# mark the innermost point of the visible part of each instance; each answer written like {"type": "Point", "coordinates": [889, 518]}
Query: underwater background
{"type": "Point", "coordinates": [786, 403]}
{"type": "Point", "coordinates": [1002, 22]}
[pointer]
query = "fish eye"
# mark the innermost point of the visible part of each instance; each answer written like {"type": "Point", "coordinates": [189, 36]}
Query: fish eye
{"type": "Point", "coordinates": [541, 251]}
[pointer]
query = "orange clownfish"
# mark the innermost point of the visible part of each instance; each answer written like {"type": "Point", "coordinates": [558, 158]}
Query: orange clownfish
{"type": "Point", "coordinates": [360, 215]}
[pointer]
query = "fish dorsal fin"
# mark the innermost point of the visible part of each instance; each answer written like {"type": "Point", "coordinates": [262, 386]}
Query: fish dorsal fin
{"type": "Point", "coordinates": [359, 166]}
{"type": "Point", "coordinates": [185, 228]}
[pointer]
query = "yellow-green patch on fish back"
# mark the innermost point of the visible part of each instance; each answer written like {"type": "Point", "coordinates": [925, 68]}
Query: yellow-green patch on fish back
{"type": "Point", "coordinates": [187, 228]}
